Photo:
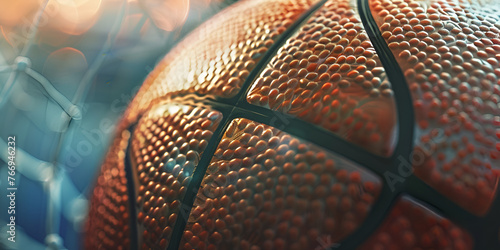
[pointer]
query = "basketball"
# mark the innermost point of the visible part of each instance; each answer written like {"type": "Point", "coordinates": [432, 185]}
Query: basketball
{"type": "Point", "coordinates": [307, 124]}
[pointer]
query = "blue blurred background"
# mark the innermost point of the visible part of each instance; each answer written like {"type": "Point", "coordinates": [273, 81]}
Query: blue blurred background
{"type": "Point", "coordinates": [68, 69]}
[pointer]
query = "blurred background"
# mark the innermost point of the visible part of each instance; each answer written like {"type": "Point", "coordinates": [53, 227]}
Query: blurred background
{"type": "Point", "coordinates": [68, 69]}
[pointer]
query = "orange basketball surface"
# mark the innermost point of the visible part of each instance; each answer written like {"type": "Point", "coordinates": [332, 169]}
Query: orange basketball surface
{"type": "Point", "coordinates": [306, 124]}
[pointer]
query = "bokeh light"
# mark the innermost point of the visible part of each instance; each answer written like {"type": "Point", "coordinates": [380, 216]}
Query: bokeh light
{"type": "Point", "coordinates": [68, 69]}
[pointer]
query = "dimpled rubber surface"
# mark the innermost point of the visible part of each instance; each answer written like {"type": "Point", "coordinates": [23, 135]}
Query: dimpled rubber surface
{"type": "Point", "coordinates": [410, 225]}
{"type": "Point", "coordinates": [449, 52]}
{"type": "Point", "coordinates": [279, 176]}
{"type": "Point", "coordinates": [329, 74]}
{"type": "Point", "coordinates": [267, 189]}
{"type": "Point", "coordinates": [217, 57]}
{"type": "Point", "coordinates": [167, 145]}
{"type": "Point", "coordinates": [109, 210]}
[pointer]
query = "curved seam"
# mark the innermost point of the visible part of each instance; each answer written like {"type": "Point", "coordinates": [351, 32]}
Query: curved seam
{"type": "Point", "coordinates": [406, 126]}
{"type": "Point", "coordinates": [192, 188]}
{"type": "Point", "coordinates": [131, 191]}
{"type": "Point", "coordinates": [268, 56]}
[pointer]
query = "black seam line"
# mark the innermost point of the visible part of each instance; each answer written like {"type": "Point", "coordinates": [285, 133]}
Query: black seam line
{"type": "Point", "coordinates": [339, 146]}
{"type": "Point", "coordinates": [190, 100]}
{"type": "Point", "coordinates": [351, 152]}
{"type": "Point", "coordinates": [295, 126]}
{"type": "Point", "coordinates": [199, 173]}
{"type": "Point", "coordinates": [268, 56]}
{"type": "Point", "coordinates": [491, 222]}
{"type": "Point", "coordinates": [378, 212]}
{"type": "Point", "coordinates": [254, 73]}
{"type": "Point", "coordinates": [406, 126]}
{"type": "Point", "coordinates": [316, 135]}
{"type": "Point", "coordinates": [402, 96]}
{"type": "Point", "coordinates": [260, 66]}
{"type": "Point", "coordinates": [191, 191]}
{"type": "Point", "coordinates": [477, 226]}
{"type": "Point", "coordinates": [131, 191]}
{"type": "Point", "coordinates": [195, 183]}
{"type": "Point", "coordinates": [194, 99]}
{"type": "Point", "coordinates": [482, 229]}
